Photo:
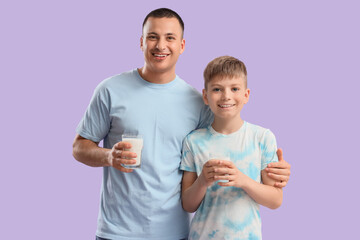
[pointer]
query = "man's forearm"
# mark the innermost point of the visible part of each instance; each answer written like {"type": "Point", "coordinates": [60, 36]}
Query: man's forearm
{"type": "Point", "coordinates": [89, 153]}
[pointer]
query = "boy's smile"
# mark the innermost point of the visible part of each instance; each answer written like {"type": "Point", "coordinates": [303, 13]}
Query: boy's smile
{"type": "Point", "coordinates": [226, 97]}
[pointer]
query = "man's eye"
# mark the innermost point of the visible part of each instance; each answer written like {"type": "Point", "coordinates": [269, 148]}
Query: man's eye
{"type": "Point", "coordinates": [171, 38]}
{"type": "Point", "coordinates": [235, 89]}
{"type": "Point", "coordinates": [151, 37]}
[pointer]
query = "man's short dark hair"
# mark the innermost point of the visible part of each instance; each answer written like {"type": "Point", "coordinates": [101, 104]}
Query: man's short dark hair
{"type": "Point", "coordinates": [165, 12]}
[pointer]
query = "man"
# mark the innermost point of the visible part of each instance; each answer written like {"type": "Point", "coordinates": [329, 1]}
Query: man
{"type": "Point", "coordinates": [153, 101]}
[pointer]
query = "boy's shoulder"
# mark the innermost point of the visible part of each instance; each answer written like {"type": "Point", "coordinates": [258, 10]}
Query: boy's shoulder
{"type": "Point", "coordinates": [258, 130]}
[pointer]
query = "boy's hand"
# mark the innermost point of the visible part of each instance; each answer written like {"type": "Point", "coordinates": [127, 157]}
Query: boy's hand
{"type": "Point", "coordinates": [279, 171]}
{"type": "Point", "coordinates": [228, 171]}
{"type": "Point", "coordinates": [208, 172]}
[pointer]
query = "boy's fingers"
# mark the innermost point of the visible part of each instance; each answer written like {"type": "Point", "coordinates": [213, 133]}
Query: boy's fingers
{"type": "Point", "coordinates": [226, 163]}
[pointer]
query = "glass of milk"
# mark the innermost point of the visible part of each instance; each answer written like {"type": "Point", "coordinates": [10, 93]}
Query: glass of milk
{"type": "Point", "coordinates": [137, 143]}
{"type": "Point", "coordinates": [219, 155]}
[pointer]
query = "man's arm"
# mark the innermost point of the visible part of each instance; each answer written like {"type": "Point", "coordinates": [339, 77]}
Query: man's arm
{"type": "Point", "coordinates": [279, 171]}
{"type": "Point", "coordinates": [89, 153]}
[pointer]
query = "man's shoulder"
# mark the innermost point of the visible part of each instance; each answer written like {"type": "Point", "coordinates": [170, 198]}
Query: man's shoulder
{"type": "Point", "coordinates": [187, 87]}
{"type": "Point", "coordinates": [118, 78]}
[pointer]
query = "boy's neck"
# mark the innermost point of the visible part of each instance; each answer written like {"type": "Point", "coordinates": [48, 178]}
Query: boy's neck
{"type": "Point", "coordinates": [227, 126]}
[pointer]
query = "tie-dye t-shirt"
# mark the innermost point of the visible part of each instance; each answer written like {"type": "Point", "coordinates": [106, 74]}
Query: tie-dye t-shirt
{"type": "Point", "coordinates": [229, 212]}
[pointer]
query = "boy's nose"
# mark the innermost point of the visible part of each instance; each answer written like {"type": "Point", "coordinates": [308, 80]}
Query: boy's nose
{"type": "Point", "coordinates": [225, 95]}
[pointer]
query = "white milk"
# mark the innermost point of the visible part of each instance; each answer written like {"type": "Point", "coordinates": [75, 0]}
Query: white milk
{"type": "Point", "coordinates": [137, 145]}
{"type": "Point", "coordinates": [220, 156]}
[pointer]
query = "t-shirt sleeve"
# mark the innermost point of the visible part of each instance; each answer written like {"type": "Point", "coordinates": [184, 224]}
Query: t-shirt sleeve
{"type": "Point", "coordinates": [187, 158]}
{"type": "Point", "coordinates": [206, 117]}
{"type": "Point", "coordinates": [268, 148]}
{"type": "Point", "coordinates": [95, 123]}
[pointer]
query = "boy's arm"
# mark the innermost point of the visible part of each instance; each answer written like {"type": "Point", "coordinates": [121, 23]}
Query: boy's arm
{"type": "Point", "coordinates": [193, 188]}
{"type": "Point", "coordinates": [265, 194]}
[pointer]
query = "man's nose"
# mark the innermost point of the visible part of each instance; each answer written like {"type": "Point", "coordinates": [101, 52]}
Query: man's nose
{"type": "Point", "coordinates": [161, 44]}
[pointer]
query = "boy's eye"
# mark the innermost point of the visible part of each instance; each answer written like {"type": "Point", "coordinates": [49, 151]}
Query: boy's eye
{"type": "Point", "coordinates": [216, 89]}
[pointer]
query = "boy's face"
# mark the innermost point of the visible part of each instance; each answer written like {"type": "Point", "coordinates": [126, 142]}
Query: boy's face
{"type": "Point", "coordinates": [226, 96]}
{"type": "Point", "coordinates": [162, 44]}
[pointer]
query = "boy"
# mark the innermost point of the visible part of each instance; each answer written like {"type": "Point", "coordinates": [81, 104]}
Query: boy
{"type": "Point", "coordinates": [228, 209]}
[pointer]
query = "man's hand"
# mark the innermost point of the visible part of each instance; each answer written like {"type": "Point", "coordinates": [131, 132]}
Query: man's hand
{"type": "Point", "coordinates": [279, 171]}
{"type": "Point", "coordinates": [117, 156]}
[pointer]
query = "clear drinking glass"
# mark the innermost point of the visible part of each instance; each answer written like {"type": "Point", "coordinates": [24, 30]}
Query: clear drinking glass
{"type": "Point", "coordinates": [220, 155]}
{"type": "Point", "coordinates": [137, 143]}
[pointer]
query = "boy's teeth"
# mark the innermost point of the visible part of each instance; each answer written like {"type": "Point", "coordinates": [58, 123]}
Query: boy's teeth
{"type": "Point", "coordinates": [225, 105]}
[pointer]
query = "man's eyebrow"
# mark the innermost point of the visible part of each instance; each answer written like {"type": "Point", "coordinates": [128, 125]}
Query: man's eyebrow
{"type": "Point", "coordinates": [167, 34]}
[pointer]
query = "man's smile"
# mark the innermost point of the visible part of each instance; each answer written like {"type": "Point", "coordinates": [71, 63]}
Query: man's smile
{"type": "Point", "coordinates": [160, 55]}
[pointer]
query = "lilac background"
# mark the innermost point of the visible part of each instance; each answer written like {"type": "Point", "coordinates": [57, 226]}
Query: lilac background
{"type": "Point", "coordinates": [302, 60]}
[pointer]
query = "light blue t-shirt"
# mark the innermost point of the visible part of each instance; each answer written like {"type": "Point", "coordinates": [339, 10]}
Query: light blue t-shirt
{"type": "Point", "coordinates": [229, 212]}
{"type": "Point", "coordinates": [144, 204]}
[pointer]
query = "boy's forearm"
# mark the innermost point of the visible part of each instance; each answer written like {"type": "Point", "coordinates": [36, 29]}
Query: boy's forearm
{"type": "Point", "coordinates": [265, 195]}
{"type": "Point", "coordinates": [191, 197]}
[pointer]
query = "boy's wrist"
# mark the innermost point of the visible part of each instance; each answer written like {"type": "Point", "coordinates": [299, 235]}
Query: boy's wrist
{"type": "Point", "coordinates": [202, 181]}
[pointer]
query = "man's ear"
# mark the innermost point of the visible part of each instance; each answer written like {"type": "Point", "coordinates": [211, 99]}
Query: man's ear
{"type": "Point", "coordinates": [182, 46]}
{"type": "Point", "coordinates": [141, 43]}
{"type": "Point", "coordinates": [205, 97]}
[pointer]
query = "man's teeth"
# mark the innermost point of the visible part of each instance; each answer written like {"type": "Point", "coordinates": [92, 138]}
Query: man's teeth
{"type": "Point", "coordinates": [158, 55]}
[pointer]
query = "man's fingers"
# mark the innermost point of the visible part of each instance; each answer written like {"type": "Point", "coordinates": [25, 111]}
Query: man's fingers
{"type": "Point", "coordinates": [123, 169]}
{"type": "Point", "coordinates": [280, 154]}
{"type": "Point", "coordinates": [278, 171]}
{"type": "Point", "coordinates": [280, 184]}
{"type": "Point", "coordinates": [282, 164]}
{"type": "Point", "coordinates": [123, 154]}
{"type": "Point", "coordinates": [122, 145]}
{"type": "Point", "coordinates": [278, 178]}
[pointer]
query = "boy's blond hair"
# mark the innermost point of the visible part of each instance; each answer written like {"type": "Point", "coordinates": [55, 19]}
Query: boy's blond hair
{"type": "Point", "coordinates": [225, 66]}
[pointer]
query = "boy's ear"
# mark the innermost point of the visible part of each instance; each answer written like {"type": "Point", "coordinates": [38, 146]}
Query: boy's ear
{"type": "Point", "coordinates": [205, 97]}
{"type": "Point", "coordinates": [247, 95]}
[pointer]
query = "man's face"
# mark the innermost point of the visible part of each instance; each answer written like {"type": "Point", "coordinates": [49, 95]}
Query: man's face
{"type": "Point", "coordinates": [226, 96]}
{"type": "Point", "coordinates": [162, 44]}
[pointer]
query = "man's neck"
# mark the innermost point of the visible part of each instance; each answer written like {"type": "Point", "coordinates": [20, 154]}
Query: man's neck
{"type": "Point", "coordinates": [156, 77]}
{"type": "Point", "coordinates": [227, 126]}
